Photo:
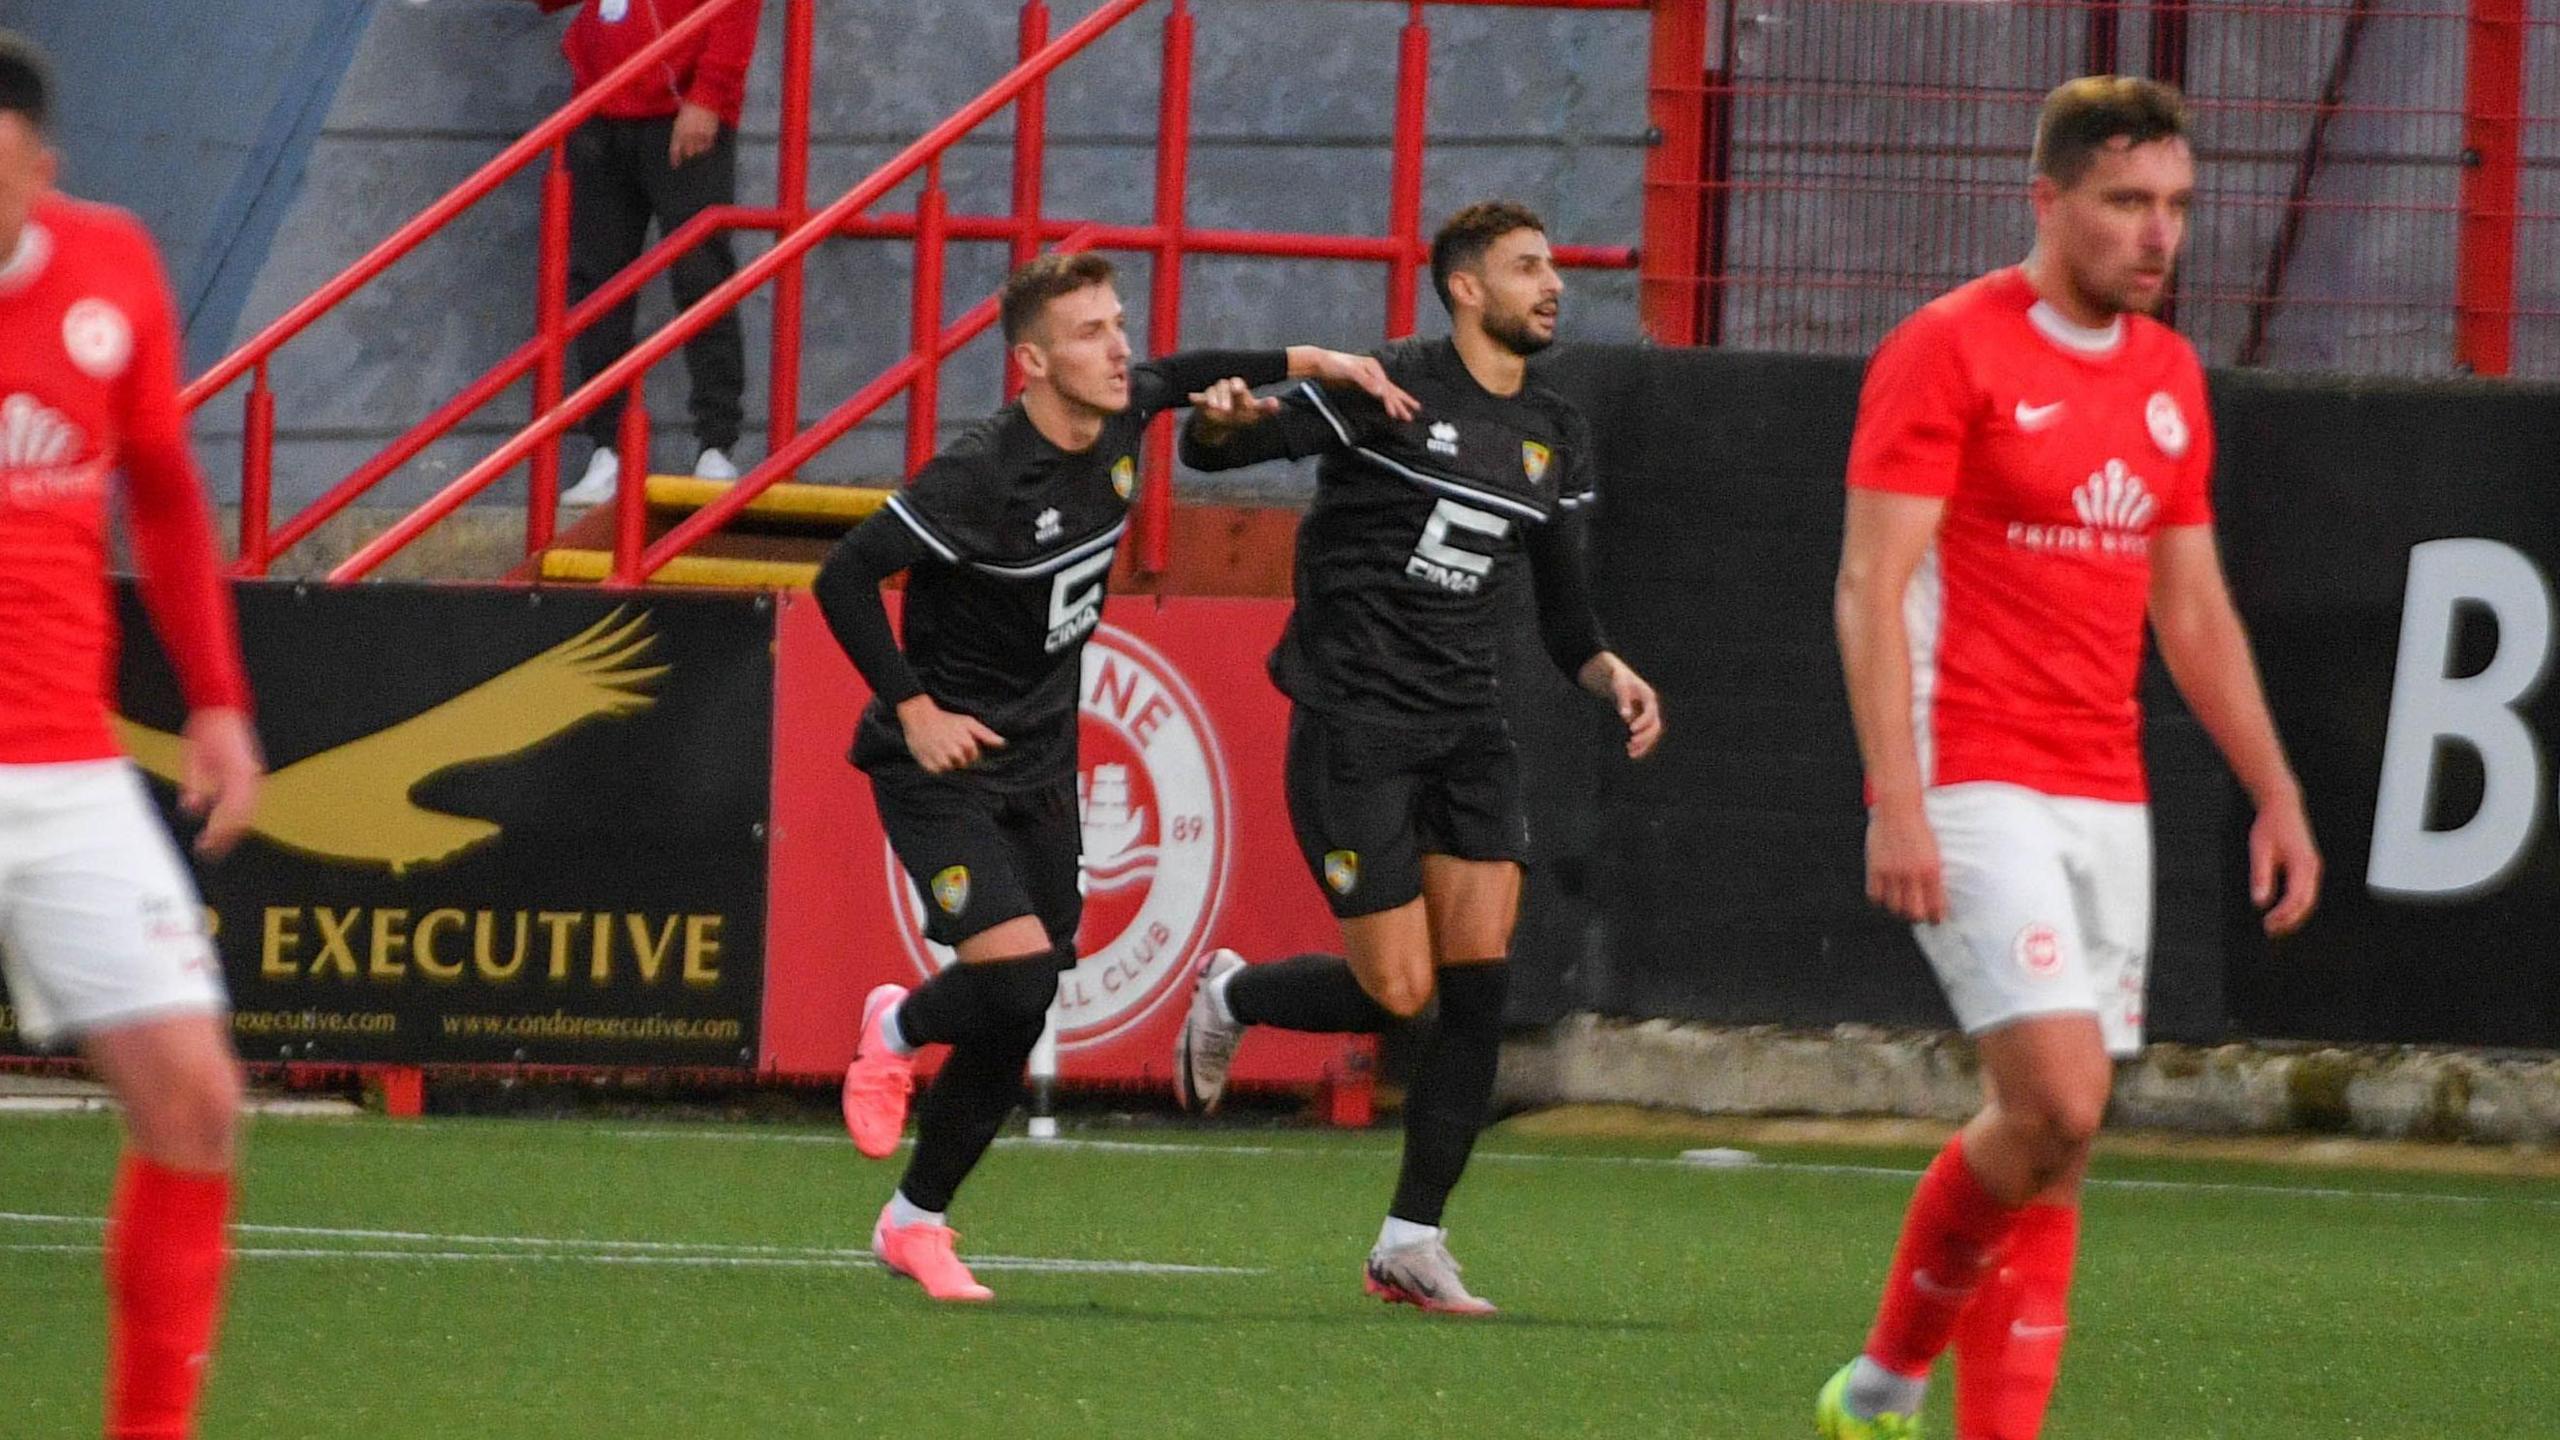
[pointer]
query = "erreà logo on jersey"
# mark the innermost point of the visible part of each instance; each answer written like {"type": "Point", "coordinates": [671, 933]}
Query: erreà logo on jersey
{"type": "Point", "coordinates": [2116, 510]}
{"type": "Point", "coordinates": [1156, 813]}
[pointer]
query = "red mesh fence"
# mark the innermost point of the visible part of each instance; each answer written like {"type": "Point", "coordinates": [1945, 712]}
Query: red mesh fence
{"type": "Point", "coordinates": [1873, 154]}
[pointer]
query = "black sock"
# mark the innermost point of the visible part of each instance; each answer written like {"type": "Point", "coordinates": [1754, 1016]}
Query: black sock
{"type": "Point", "coordinates": [1307, 992]}
{"type": "Point", "coordinates": [977, 1087]}
{"type": "Point", "coordinates": [981, 1079]}
{"type": "Point", "coordinates": [1451, 1096]}
{"type": "Point", "coordinates": [977, 997]}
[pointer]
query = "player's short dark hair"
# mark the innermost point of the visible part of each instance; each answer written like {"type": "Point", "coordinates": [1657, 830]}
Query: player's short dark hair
{"type": "Point", "coordinates": [2084, 116]}
{"type": "Point", "coordinates": [1029, 289]}
{"type": "Point", "coordinates": [1469, 234]}
{"type": "Point", "coordinates": [26, 79]}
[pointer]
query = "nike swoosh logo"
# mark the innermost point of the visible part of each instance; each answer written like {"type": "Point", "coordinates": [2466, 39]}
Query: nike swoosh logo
{"type": "Point", "coordinates": [2021, 1330]}
{"type": "Point", "coordinates": [2036, 417]}
{"type": "Point", "coordinates": [1929, 1285]}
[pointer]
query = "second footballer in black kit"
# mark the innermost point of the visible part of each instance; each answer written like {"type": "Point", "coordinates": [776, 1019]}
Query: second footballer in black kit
{"type": "Point", "coordinates": [1007, 539]}
{"type": "Point", "coordinates": [1403, 785]}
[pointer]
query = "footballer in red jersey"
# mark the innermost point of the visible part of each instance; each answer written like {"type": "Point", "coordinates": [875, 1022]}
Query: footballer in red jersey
{"type": "Point", "coordinates": [2029, 486]}
{"type": "Point", "coordinates": [101, 930]}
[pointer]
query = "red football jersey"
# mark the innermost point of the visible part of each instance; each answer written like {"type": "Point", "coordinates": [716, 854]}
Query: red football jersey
{"type": "Point", "coordinates": [2059, 451]}
{"type": "Point", "coordinates": [88, 389]}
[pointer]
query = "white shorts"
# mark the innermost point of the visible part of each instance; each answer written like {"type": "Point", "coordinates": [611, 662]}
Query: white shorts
{"type": "Point", "coordinates": [100, 924]}
{"type": "Point", "coordinates": [2048, 908]}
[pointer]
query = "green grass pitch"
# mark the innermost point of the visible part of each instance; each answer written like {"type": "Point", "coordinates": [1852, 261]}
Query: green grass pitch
{"type": "Point", "coordinates": [560, 1280]}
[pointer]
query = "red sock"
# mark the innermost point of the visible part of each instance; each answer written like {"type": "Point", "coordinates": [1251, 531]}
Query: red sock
{"type": "Point", "coordinates": [165, 1256]}
{"type": "Point", "coordinates": [1950, 1237]}
{"type": "Point", "coordinates": [2009, 1344]}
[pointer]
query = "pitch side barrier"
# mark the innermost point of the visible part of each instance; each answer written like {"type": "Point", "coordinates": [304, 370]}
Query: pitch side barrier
{"type": "Point", "coordinates": [2393, 547]}
{"type": "Point", "coordinates": [544, 828]}
{"type": "Point", "coordinates": [541, 830]}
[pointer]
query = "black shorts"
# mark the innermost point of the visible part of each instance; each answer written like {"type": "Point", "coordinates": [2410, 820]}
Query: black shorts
{"type": "Point", "coordinates": [1369, 801]}
{"type": "Point", "coordinates": [981, 856]}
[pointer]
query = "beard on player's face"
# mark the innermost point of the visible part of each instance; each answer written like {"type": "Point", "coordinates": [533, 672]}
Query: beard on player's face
{"type": "Point", "coordinates": [1520, 313]}
{"type": "Point", "coordinates": [2137, 286]}
{"type": "Point", "coordinates": [2118, 272]}
{"type": "Point", "coordinates": [1515, 331]}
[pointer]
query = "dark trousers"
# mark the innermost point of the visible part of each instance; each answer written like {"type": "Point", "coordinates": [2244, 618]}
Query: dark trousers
{"type": "Point", "coordinates": [619, 181]}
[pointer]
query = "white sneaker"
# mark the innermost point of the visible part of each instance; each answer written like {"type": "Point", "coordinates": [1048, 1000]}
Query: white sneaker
{"type": "Point", "coordinates": [712, 464]}
{"type": "Point", "coordinates": [598, 485]}
{"type": "Point", "coordinates": [1424, 1276]}
{"type": "Point", "coordinates": [1206, 1047]}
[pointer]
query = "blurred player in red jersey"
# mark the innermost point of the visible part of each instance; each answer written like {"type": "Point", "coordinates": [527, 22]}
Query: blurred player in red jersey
{"type": "Point", "coordinates": [2028, 482]}
{"type": "Point", "coordinates": [101, 931]}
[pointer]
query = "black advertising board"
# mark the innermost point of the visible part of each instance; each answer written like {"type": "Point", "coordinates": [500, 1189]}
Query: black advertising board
{"type": "Point", "coordinates": [500, 826]}
{"type": "Point", "coordinates": [2394, 549]}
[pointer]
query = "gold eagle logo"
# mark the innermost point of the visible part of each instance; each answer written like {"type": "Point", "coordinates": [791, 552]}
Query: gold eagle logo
{"type": "Point", "coordinates": [351, 804]}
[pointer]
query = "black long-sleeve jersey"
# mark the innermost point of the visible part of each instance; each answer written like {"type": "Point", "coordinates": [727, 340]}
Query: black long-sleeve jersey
{"type": "Point", "coordinates": [1416, 527]}
{"type": "Point", "coordinates": [1008, 543]}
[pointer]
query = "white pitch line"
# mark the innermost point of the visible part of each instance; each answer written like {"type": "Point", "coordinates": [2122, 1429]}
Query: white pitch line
{"type": "Point", "coordinates": [1881, 1172]}
{"type": "Point", "coordinates": [2095, 1182]}
{"type": "Point", "coordinates": [1007, 1142]}
{"type": "Point", "coordinates": [1664, 1162]}
{"type": "Point", "coordinates": [750, 1137]}
{"type": "Point", "coordinates": [329, 1232]}
{"type": "Point", "coordinates": [1017, 1263]}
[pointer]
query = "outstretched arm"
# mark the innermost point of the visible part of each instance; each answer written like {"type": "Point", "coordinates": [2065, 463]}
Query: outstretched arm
{"type": "Point", "coordinates": [1186, 378]}
{"type": "Point", "coordinates": [1231, 427]}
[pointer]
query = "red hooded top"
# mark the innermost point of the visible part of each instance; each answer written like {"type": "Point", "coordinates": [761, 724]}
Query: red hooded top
{"type": "Point", "coordinates": [709, 70]}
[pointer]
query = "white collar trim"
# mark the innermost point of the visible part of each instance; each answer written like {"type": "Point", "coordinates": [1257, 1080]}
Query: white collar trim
{"type": "Point", "coordinates": [2059, 329]}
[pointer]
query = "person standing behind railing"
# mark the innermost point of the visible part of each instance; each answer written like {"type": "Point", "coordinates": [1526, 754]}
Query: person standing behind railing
{"type": "Point", "coordinates": [665, 148]}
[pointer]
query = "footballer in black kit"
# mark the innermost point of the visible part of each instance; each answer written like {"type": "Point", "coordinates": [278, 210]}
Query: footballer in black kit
{"type": "Point", "coordinates": [1007, 540]}
{"type": "Point", "coordinates": [1397, 745]}
{"type": "Point", "coordinates": [1403, 784]}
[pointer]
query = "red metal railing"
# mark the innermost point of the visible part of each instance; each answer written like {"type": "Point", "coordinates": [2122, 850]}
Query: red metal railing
{"type": "Point", "coordinates": [931, 228]}
{"type": "Point", "coordinates": [2377, 176]}
{"type": "Point", "coordinates": [2382, 194]}
{"type": "Point", "coordinates": [553, 322]}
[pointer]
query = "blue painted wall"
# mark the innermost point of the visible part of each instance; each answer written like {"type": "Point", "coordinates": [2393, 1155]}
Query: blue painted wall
{"type": "Point", "coordinates": [200, 118]}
